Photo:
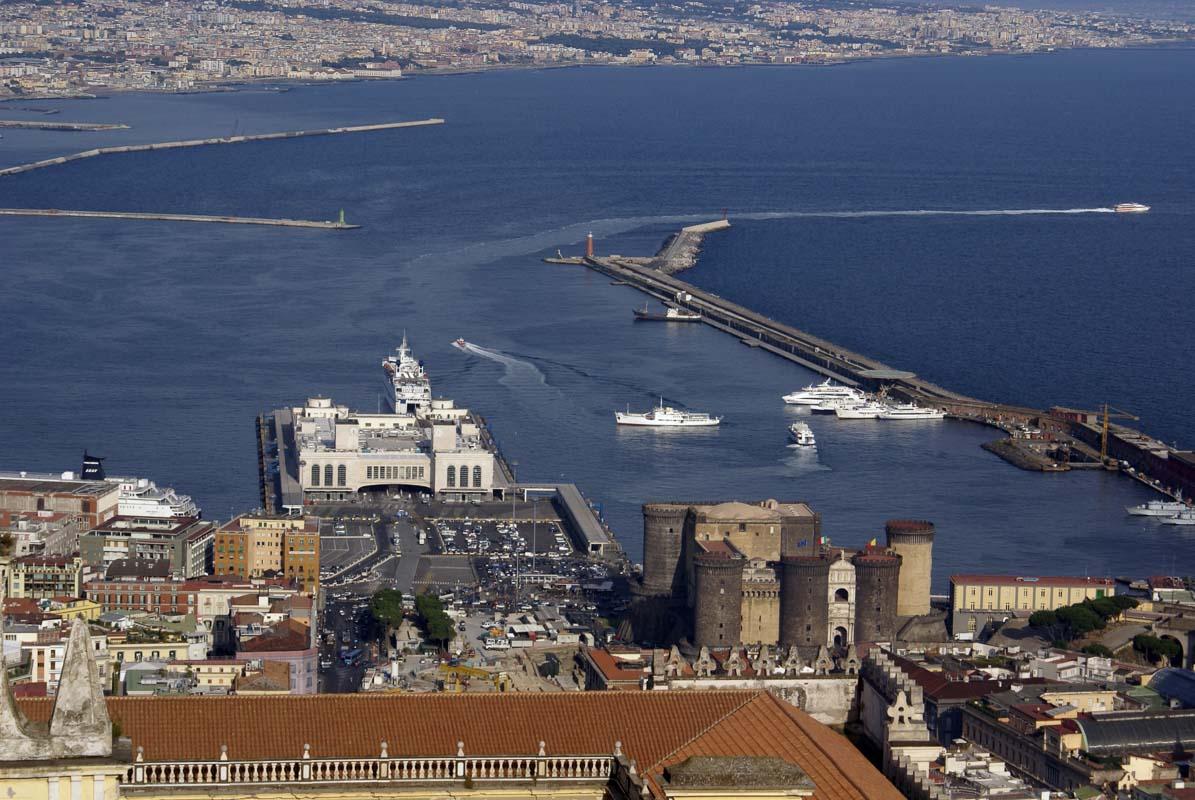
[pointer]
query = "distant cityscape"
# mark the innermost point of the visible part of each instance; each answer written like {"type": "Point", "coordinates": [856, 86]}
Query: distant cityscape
{"type": "Point", "coordinates": [77, 48]}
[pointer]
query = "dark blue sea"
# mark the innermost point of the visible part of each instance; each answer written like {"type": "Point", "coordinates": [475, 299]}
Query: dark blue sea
{"type": "Point", "coordinates": [156, 344]}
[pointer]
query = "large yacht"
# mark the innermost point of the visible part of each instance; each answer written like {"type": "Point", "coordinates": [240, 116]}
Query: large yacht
{"type": "Point", "coordinates": [802, 435]}
{"type": "Point", "coordinates": [910, 411]}
{"type": "Point", "coordinates": [1158, 508]}
{"type": "Point", "coordinates": [407, 388]}
{"type": "Point", "coordinates": [1130, 208]}
{"type": "Point", "coordinates": [817, 394]}
{"type": "Point", "coordinates": [663, 416]}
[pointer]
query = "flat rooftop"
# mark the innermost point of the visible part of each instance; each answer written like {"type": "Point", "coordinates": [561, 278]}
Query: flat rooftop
{"type": "Point", "coordinates": [50, 484]}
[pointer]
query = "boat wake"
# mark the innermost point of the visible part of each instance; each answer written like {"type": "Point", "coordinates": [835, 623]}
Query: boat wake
{"type": "Point", "coordinates": [925, 212]}
{"type": "Point", "coordinates": [517, 370]}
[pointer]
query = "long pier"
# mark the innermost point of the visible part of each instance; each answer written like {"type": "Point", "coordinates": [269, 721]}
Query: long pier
{"type": "Point", "coordinates": [260, 137]}
{"type": "Point", "coordinates": [335, 225]}
{"type": "Point", "coordinates": [61, 126]}
{"type": "Point", "coordinates": [1165, 469]}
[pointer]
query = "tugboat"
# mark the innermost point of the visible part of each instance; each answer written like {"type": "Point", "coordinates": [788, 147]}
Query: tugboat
{"type": "Point", "coordinates": [671, 315]}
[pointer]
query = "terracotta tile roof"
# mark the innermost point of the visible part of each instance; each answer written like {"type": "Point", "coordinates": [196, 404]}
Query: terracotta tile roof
{"type": "Point", "coordinates": [287, 635]}
{"type": "Point", "coordinates": [767, 726]}
{"type": "Point", "coordinates": [655, 728]}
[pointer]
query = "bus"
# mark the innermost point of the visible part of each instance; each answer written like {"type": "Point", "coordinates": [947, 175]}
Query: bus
{"type": "Point", "coordinates": [352, 657]}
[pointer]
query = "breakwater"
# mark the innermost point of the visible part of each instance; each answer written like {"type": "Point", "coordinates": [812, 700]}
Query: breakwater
{"type": "Point", "coordinates": [1039, 440]}
{"type": "Point", "coordinates": [680, 251]}
{"type": "Point", "coordinates": [61, 126]}
{"type": "Point", "coordinates": [260, 137]}
{"type": "Point", "coordinates": [337, 225]}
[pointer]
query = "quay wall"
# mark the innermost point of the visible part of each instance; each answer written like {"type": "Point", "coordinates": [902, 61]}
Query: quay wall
{"type": "Point", "coordinates": [260, 137]}
{"type": "Point", "coordinates": [61, 126]}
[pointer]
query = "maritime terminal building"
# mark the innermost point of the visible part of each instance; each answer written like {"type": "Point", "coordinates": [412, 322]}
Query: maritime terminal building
{"type": "Point", "coordinates": [322, 451]}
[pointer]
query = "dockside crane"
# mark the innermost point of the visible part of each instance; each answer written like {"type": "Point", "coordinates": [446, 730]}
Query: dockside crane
{"type": "Point", "coordinates": [1119, 414]}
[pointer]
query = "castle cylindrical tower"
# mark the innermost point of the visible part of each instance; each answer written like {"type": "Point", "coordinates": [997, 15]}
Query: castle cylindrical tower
{"type": "Point", "coordinates": [877, 579]}
{"type": "Point", "coordinates": [717, 601]}
{"type": "Point", "coordinates": [663, 530]}
{"type": "Point", "coordinates": [913, 541]}
{"type": "Point", "coordinates": [804, 609]}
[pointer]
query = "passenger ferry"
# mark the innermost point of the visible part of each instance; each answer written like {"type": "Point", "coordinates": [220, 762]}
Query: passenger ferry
{"type": "Point", "coordinates": [818, 394]}
{"type": "Point", "coordinates": [867, 410]}
{"type": "Point", "coordinates": [802, 435]}
{"type": "Point", "coordinates": [408, 389]}
{"type": "Point", "coordinates": [1182, 518]}
{"type": "Point", "coordinates": [1130, 208]}
{"type": "Point", "coordinates": [671, 315]}
{"type": "Point", "coordinates": [664, 416]}
{"type": "Point", "coordinates": [1158, 508]}
{"type": "Point", "coordinates": [910, 411]}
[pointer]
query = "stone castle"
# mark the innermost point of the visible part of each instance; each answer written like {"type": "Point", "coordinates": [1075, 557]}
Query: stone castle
{"type": "Point", "coordinates": [724, 574]}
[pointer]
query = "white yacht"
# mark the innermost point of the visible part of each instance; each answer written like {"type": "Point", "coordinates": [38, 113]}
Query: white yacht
{"type": "Point", "coordinates": [1158, 508]}
{"type": "Point", "coordinates": [802, 435]}
{"type": "Point", "coordinates": [663, 416]}
{"type": "Point", "coordinates": [911, 411]}
{"type": "Point", "coordinates": [408, 389]}
{"type": "Point", "coordinates": [817, 394]}
{"type": "Point", "coordinates": [1130, 208]}
{"type": "Point", "coordinates": [1186, 517]}
{"type": "Point", "coordinates": [867, 410]}
{"type": "Point", "coordinates": [142, 498]}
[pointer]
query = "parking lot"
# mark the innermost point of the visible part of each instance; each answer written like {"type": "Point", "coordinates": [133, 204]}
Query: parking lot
{"type": "Point", "coordinates": [500, 538]}
{"type": "Point", "coordinates": [343, 541]}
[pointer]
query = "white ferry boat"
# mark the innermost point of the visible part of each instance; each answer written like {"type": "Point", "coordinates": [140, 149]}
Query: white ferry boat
{"type": "Point", "coordinates": [1130, 208]}
{"type": "Point", "coordinates": [142, 498]}
{"type": "Point", "coordinates": [673, 314]}
{"type": "Point", "coordinates": [408, 389]}
{"type": "Point", "coordinates": [663, 416]}
{"type": "Point", "coordinates": [910, 411]}
{"type": "Point", "coordinates": [817, 394]}
{"type": "Point", "coordinates": [1186, 517]}
{"type": "Point", "coordinates": [802, 435]}
{"type": "Point", "coordinates": [1158, 508]}
{"type": "Point", "coordinates": [867, 410]}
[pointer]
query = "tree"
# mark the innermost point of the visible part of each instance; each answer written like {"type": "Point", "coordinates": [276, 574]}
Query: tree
{"type": "Point", "coordinates": [386, 606]}
{"type": "Point", "coordinates": [1096, 649]}
{"type": "Point", "coordinates": [436, 623]}
{"type": "Point", "coordinates": [1156, 649]}
{"type": "Point", "coordinates": [1079, 619]}
{"type": "Point", "coordinates": [1043, 619]}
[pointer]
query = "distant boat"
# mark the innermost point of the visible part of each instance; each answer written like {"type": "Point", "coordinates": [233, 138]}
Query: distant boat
{"type": "Point", "coordinates": [666, 417]}
{"type": "Point", "coordinates": [910, 411]}
{"type": "Point", "coordinates": [460, 344]}
{"type": "Point", "coordinates": [802, 435]}
{"type": "Point", "coordinates": [1182, 518]}
{"type": "Point", "coordinates": [1130, 208]}
{"type": "Point", "coordinates": [1158, 508]}
{"type": "Point", "coordinates": [671, 315]}
{"type": "Point", "coordinates": [817, 394]}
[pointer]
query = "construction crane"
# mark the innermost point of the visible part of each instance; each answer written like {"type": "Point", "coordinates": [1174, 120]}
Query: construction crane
{"type": "Point", "coordinates": [1120, 414]}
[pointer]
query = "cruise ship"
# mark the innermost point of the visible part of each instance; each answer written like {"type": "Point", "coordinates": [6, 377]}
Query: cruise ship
{"type": "Point", "coordinates": [664, 416]}
{"type": "Point", "coordinates": [819, 394]}
{"type": "Point", "coordinates": [1130, 208]}
{"type": "Point", "coordinates": [407, 389]}
{"type": "Point", "coordinates": [142, 498]}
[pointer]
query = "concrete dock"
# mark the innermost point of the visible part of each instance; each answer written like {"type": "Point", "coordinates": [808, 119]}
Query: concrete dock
{"type": "Point", "coordinates": [1164, 468]}
{"type": "Point", "coordinates": [261, 137]}
{"type": "Point", "coordinates": [281, 223]}
{"type": "Point", "coordinates": [61, 126]}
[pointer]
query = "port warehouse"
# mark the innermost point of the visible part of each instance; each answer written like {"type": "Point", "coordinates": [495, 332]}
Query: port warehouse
{"type": "Point", "coordinates": [1163, 468]}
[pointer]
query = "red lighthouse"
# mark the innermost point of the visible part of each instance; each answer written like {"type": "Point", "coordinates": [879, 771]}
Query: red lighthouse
{"type": "Point", "coordinates": [589, 245]}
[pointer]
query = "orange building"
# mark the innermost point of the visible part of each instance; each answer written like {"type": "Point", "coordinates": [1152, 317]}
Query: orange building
{"type": "Point", "coordinates": [257, 545]}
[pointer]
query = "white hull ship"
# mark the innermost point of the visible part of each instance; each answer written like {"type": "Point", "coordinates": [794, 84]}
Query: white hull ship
{"type": "Point", "coordinates": [1130, 208]}
{"type": "Point", "coordinates": [907, 411]}
{"type": "Point", "coordinates": [1158, 508]}
{"type": "Point", "coordinates": [664, 416]}
{"type": "Point", "coordinates": [802, 435]}
{"type": "Point", "coordinates": [1182, 518]}
{"type": "Point", "coordinates": [821, 393]}
{"type": "Point", "coordinates": [868, 410]}
{"type": "Point", "coordinates": [407, 390]}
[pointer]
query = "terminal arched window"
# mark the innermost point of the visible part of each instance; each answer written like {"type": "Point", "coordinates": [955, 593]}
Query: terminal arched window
{"type": "Point", "coordinates": [341, 475]}
{"type": "Point", "coordinates": [451, 477]}
{"type": "Point", "coordinates": [477, 477]}
{"type": "Point", "coordinates": [315, 474]}
{"type": "Point", "coordinates": [327, 474]}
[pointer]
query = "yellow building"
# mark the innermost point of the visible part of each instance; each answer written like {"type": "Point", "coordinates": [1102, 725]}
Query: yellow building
{"type": "Point", "coordinates": [87, 610]}
{"type": "Point", "coordinates": [976, 600]}
{"type": "Point", "coordinates": [253, 544]}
